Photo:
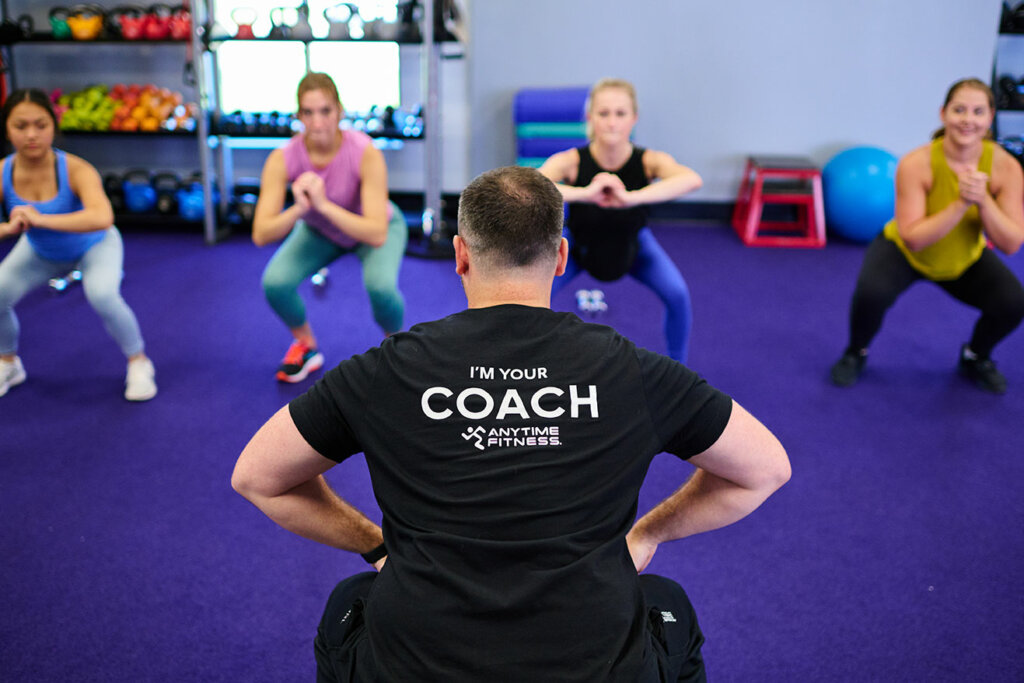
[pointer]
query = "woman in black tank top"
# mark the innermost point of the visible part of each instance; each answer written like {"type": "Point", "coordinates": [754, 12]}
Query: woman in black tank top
{"type": "Point", "coordinates": [607, 185]}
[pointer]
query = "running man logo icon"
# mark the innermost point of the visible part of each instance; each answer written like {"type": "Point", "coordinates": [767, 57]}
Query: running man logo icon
{"type": "Point", "coordinates": [475, 433]}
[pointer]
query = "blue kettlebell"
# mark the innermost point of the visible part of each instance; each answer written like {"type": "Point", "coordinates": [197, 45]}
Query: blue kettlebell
{"type": "Point", "coordinates": [190, 202]}
{"type": "Point", "coordinates": [139, 193]}
{"type": "Point", "coordinates": [190, 198]}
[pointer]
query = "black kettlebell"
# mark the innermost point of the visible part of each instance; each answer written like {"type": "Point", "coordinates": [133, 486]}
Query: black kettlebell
{"type": "Point", "coordinates": [277, 126]}
{"type": "Point", "coordinates": [113, 185]}
{"type": "Point", "coordinates": [1017, 19]}
{"type": "Point", "coordinates": [230, 124]}
{"type": "Point", "coordinates": [246, 194]}
{"type": "Point", "coordinates": [13, 31]}
{"type": "Point", "coordinates": [249, 123]}
{"type": "Point", "coordinates": [279, 30]}
{"type": "Point", "coordinates": [265, 127]}
{"type": "Point", "coordinates": [166, 185]}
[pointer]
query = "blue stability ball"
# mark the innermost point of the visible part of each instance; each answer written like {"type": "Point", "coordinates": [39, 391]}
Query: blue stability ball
{"type": "Point", "coordinates": [859, 187]}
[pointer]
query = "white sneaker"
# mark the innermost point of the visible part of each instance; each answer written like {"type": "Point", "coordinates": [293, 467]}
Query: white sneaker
{"type": "Point", "coordinates": [140, 382]}
{"type": "Point", "coordinates": [12, 373]}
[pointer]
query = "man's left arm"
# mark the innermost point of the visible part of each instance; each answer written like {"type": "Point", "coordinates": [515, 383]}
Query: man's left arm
{"type": "Point", "coordinates": [281, 474]}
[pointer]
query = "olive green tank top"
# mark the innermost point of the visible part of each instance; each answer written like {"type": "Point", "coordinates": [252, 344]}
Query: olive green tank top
{"type": "Point", "coordinates": [957, 251]}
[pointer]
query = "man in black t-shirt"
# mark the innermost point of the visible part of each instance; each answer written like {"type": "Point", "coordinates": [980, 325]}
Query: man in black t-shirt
{"type": "Point", "coordinates": [506, 446]}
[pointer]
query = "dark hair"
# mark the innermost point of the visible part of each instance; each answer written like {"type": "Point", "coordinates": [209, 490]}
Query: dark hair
{"type": "Point", "coordinates": [512, 216]}
{"type": "Point", "coordinates": [33, 95]}
{"type": "Point", "coordinates": [975, 83]}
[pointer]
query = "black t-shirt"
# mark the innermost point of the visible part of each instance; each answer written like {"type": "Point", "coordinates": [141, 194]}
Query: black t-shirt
{"type": "Point", "coordinates": [506, 447]}
{"type": "Point", "coordinates": [604, 241]}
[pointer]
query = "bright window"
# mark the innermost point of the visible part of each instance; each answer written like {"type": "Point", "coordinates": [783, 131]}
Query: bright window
{"type": "Point", "coordinates": [366, 73]}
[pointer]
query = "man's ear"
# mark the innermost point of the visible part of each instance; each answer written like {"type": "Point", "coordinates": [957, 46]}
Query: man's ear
{"type": "Point", "coordinates": [563, 257]}
{"type": "Point", "coordinates": [461, 255]}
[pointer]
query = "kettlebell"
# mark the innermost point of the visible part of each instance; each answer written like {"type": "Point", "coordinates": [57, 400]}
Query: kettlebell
{"type": "Point", "coordinates": [85, 22]}
{"type": "Point", "coordinates": [113, 185]}
{"type": "Point", "coordinates": [281, 123]}
{"type": "Point", "coordinates": [59, 23]}
{"type": "Point", "coordinates": [158, 22]}
{"type": "Point", "coordinates": [231, 124]}
{"type": "Point", "coordinates": [410, 16]}
{"type": "Point", "coordinates": [246, 193]}
{"type": "Point", "coordinates": [126, 22]}
{"type": "Point", "coordinates": [381, 29]}
{"type": "Point", "coordinates": [166, 185]}
{"type": "Point", "coordinates": [139, 195]}
{"type": "Point", "coordinates": [301, 30]}
{"type": "Point", "coordinates": [190, 199]}
{"type": "Point", "coordinates": [279, 30]}
{"type": "Point", "coordinates": [13, 31]}
{"type": "Point", "coordinates": [250, 123]}
{"type": "Point", "coordinates": [180, 23]}
{"type": "Point", "coordinates": [266, 124]}
{"type": "Point", "coordinates": [244, 17]}
{"type": "Point", "coordinates": [337, 18]}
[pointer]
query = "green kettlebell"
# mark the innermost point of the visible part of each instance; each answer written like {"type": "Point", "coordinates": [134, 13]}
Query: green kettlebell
{"type": "Point", "coordinates": [59, 23]}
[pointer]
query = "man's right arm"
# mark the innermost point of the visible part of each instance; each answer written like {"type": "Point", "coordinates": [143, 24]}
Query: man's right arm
{"type": "Point", "coordinates": [734, 476]}
{"type": "Point", "coordinates": [281, 474]}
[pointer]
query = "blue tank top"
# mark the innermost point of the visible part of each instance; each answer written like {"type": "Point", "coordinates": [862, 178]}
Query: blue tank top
{"type": "Point", "coordinates": [53, 245]}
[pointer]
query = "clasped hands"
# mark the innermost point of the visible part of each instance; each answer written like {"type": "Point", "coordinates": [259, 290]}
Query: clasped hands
{"type": "Point", "coordinates": [974, 186]}
{"type": "Point", "coordinates": [23, 217]}
{"type": "Point", "coordinates": [308, 191]}
{"type": "Point", "coordinates": [608, 191]}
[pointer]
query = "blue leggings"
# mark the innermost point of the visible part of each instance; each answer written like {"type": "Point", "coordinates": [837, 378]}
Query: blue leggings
{"type": "Point", "coordinates": [23, 270]}
{"type": "Point", "coordinates": [305, 252]}
{"type": "Point", "coordinates": [654, 268]}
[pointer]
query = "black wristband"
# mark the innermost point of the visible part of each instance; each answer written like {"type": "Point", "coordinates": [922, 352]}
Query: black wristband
{"type": "Point", "coordinates": [372, 556]}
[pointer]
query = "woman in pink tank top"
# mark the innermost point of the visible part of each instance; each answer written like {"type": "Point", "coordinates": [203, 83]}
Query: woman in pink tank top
{"type": "Point", "coordinates": [338, 180]}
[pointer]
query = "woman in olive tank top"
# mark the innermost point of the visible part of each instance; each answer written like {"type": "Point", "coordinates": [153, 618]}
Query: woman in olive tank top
{"type": "Point", "coordinates": [956, 197]}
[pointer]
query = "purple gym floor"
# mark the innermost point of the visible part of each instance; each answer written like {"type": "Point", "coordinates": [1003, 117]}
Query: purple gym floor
{"type": "Point", "coordinates": [894, 554]}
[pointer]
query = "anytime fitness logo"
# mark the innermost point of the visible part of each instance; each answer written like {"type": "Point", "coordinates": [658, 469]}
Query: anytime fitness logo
{"type": "Point", "coordinates": [544, 403]}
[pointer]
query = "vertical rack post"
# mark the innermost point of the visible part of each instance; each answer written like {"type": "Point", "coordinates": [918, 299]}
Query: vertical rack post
{"type": "Point", "coordinates": [201, 22]}
{"type": "Point", "coordinates": [430, 59]}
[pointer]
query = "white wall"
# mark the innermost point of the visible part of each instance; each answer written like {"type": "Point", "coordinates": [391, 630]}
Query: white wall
{"type": "Point", "coordinates": [719, 80]}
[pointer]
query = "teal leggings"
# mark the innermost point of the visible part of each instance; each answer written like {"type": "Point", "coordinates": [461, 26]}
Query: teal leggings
{"type": "Point", "coordinates": [305, 252]}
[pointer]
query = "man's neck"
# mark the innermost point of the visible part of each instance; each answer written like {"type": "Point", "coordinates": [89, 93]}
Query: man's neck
{"type": "Point", "coordinates": [508, 292]}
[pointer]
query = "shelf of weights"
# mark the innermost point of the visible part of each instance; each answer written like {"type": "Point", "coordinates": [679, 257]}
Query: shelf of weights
{"type": "Point", "coordinates": [389, 127]}
{"type": "Point", "coordinates": [135, 111]}
{"type": "Point", "coordinates": [42, 37]}
{"type": "Point", "coordinates": [179, 120]}
{"type": "Point", "coordinates": [1008, 87]}
{"type": "Point", "coordinates": [222, 134]}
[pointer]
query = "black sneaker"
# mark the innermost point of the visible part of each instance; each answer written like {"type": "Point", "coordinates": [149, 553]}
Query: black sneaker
{"type": "Point", "coordinates": [848, 368]}
{"type": "Point", "coordinates": [981, 371]}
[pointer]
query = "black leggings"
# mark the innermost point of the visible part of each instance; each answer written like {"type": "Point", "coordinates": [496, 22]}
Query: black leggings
{"type": "Point", "coordinates": [672, 624]}
{"type": "Point", "coordinates": [988, 285]}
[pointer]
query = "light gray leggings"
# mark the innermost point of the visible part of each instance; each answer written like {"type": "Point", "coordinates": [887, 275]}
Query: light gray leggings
{"type": "Point", "coordinates": [23, 270]}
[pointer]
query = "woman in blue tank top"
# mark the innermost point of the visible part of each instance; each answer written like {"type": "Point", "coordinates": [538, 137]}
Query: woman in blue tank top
{"type": "Point", "coordinates": [55, 203]}
{"type": "Point", "coordinates": [607, 185]}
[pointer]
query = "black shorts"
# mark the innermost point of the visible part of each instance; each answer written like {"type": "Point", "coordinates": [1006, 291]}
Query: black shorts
{"type": "Point", "coordinates": [675, 636]}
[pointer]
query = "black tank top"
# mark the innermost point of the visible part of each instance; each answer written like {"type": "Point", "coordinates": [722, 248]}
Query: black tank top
{"type": "Point", "coordinates": [604, 241]}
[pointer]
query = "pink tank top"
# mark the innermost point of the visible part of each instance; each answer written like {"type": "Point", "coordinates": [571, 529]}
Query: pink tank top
{"type": "Point", "coordinates": [341, 180]}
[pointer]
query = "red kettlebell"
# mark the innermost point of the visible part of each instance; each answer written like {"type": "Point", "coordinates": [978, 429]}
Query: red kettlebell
{"type": "Point", "coordinates": [244, 18]}
{"type": "Point", "coordinates": [158, 22]}
{"type": "Point", "coordinates": [131, 20]}
{"type": "Point", "coordinates": [180, 23]}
